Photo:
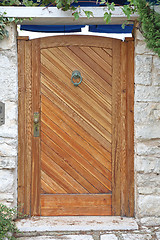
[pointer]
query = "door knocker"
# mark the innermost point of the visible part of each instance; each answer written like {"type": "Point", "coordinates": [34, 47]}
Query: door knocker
{"type": "Point", "coordinates": [76, 75]}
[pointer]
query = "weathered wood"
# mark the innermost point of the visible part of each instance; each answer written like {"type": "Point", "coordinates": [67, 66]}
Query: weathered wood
{"type": "Point", "coordinates": [123, 131]}
{"type": "Point", "coordinates": [24, 133]}
{"type": "Point", "coordinates": [35, 199]}
{"type": "Point", "coordinates": [130, 128]}
{"type": "Point", "coordinates": [21, 124]}
{"type": "Point", "coordinates": [76, 41]}
{"type": "Point", "coordinates": [29, 123]}
{"type": "Point", "coordinates": [73, 205]}
{"type": "Point", "coordinates": [116, 128]}
{"type": "Point", "coordinates": [83, 130]}
{"type": "Point", "coordinates": [66, 117]}
{"type": "Point", "coordinates": [123, 167]}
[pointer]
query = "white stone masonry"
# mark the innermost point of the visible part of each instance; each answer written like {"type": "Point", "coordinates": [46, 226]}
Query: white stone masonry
{"type": "Point", "coordinates": [147, 133]}
{"type": "Point", "coordinates": [9, 131]}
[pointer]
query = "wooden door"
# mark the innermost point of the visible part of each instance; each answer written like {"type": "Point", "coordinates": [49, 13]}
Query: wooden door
{"type": "Point", "coordinates": [81, 163]}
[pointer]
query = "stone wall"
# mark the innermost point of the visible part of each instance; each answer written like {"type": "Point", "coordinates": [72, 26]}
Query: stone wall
{"type": "Point", "coordinates": [147, 128]}
{"type": "Point", "coordinates": [8, 131]}
{"type": "Point", "coordinates": [147, 133]}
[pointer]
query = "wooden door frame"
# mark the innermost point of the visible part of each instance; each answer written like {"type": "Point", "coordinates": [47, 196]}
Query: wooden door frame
{"type": "Point", "coordinates": [122, 123]}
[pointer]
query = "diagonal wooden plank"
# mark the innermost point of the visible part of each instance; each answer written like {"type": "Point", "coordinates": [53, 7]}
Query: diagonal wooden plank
{"type": "Point", "coordinates": [98, 187]}
{"type": "Point", "coordinates": [73, 115]}
{"type": "Point", "coordinates": [75, 94]}
{"type": "Point", "coordinates": [46, 188]}
{"type": "Point", "coordinates": [90, 78]}
{"type": "Point", "coordinates": [66, 117]}
{"type": "Point", "coordinates": [79, 149]}
{"type": "Point", "coordinates": [84, 90]}
{"type": "Point", "coordinates": [77, 170]}
{"type": "Point", "coordinates": [77, 108]}
{"type": "Point", "coordinates": [105, 170]}
{"type": "Point", "coordinates": [52, 169]}
{"type": "Point", "coordinates": [51, 183]}
{"type": "Point", "coordinates": [77, 138]}
{"type": "Point", "coordinates": [103, 54]}
{"type": "Point", "coordinates": [96, 68]}
{"type": "Point", "coordinates": [108, 51]}
{"type": "Point", "coordinates": [75, 153]}
{"type": "Point", "coordinates": [98, 81]}
{"type": "Point", "coordinates": [66, 56]}
{"type": "Point", "coordinates": [98, 60]}
{"type": "Point", "coordinates": [68, 138]}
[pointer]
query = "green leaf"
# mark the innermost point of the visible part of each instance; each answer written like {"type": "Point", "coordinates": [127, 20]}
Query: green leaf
{"type": "Point", "coordinates": [76, 15]}
{"type": "Point", "coordinates": [88, 14]}
{"type": "Point", "coordinates": [107, 17]}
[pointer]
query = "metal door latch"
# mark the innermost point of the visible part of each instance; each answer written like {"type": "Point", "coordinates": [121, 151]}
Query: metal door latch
{"type": "Point", "coordinates": [36, 124]}
{"type": "Point", "coordinates": [2, 113]}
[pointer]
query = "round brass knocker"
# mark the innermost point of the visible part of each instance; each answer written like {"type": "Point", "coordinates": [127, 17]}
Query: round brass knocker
{"type": "Point", "coordinates": [76, 75]}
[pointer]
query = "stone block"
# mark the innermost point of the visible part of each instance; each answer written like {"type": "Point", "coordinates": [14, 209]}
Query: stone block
{"type": "Point", "coordinates": [11, 112]}
{"type": "Point", "coordinates": [148, 190]}
{"type": "Point", "coordinates": [141, 48]}
{"type": "Point", "coordinates": [9, 131]}
{"type": "Point", "coordinates": [148, 148]}
{"type": "Point", "coordinates": [138, 35]}
{"type": "Point", "coordinates": [146, 112]}
{"type": "Point", "coordinates": [8, 79]}
{"type": "Point", "coordinates": [59, 237]}
{"type": "Point", "coordinates": [8, 43]}
{"type": "Point", "coordinates": [8, 150]}
{"type": "Point", "coordinates": [147, 93]}
{"type": "Point", "coordinates": [8, 162]}
{"type": "Point", "coordinates": [130, 236]}
{"type": "Point", "coordinates": [77, 223]}
{"type": "Point", "coordinates": [147, 131]}
{"type": "Point", "coordinates": [150, 221]}
{"type": "Point", "coordinates": [7, 179]}
{"type": "Point", "coordinates": [149, 205]}
{"type": "Point", "coordinates": [108, 237]}
{"type": "Point", "coordinates": [143, 69]}
{"type": "Point", "coordinates": [6, 197]}
{"type": "Point", "coordinates": [158, 235]}
{"type": "Point", "coordinates": [156, 71]}
{"type": "Point", "coordinates": [148, 180]}
{"type": "Point", "coordinates": [147, 164]}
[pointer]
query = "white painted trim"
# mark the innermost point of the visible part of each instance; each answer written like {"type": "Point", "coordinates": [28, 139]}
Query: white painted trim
{"type": "Point", "coordinates": [52, 15]}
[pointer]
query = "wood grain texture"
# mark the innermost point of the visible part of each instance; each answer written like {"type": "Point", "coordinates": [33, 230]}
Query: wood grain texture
{"type": "Point", "coordinates": [28, 134]}
{"type": "Point", "coordinates": [24, 130]}
{"type": "Point", "coordinates": [35, 200]}
{"type": "Point", "coordinates": [21, 123]}
{"type": "Point", "coordinates": [75, 205]}
{"type": "Point", "coordinates": [87, 133]}
{"type": "Point", "coordinates": [123, 130]}
{"type": "Point", "coordinates": [78, 40]}
{"type": "Point", "coordinates": [130, 128]}
{"type": "Point", "coordinates": [65, 56]}
{"type": "Point", "coordinates": [116, 128]}
{"type": "Point", "coordinates": [123, 166]}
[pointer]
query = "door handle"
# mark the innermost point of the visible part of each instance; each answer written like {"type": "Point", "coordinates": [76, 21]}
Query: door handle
{"type": "Point", "coordinates": [36, 124]}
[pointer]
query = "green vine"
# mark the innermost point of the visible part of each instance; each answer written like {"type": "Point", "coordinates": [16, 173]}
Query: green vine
{"type": "Point", "coordinates": [149, 19]}
{"type": "Point", "coordinates": [7, 225]}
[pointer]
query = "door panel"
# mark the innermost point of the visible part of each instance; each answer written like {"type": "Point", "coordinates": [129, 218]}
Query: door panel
{"type": "Point", "coordinates": [73, 158]}
{"type": "Point", "coordinates": [82, 161]}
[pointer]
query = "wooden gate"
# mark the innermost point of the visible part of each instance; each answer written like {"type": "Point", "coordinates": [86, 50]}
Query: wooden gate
{"type": "Point", "coordinates": [77, 157]}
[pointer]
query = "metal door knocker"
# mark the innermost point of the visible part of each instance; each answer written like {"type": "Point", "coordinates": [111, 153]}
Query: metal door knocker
{"type": "Point", "coordinates": [76, 75]}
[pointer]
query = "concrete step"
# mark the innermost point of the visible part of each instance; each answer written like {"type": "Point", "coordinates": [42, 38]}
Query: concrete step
{"type": "Point", "coordinates": [80, 223]}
